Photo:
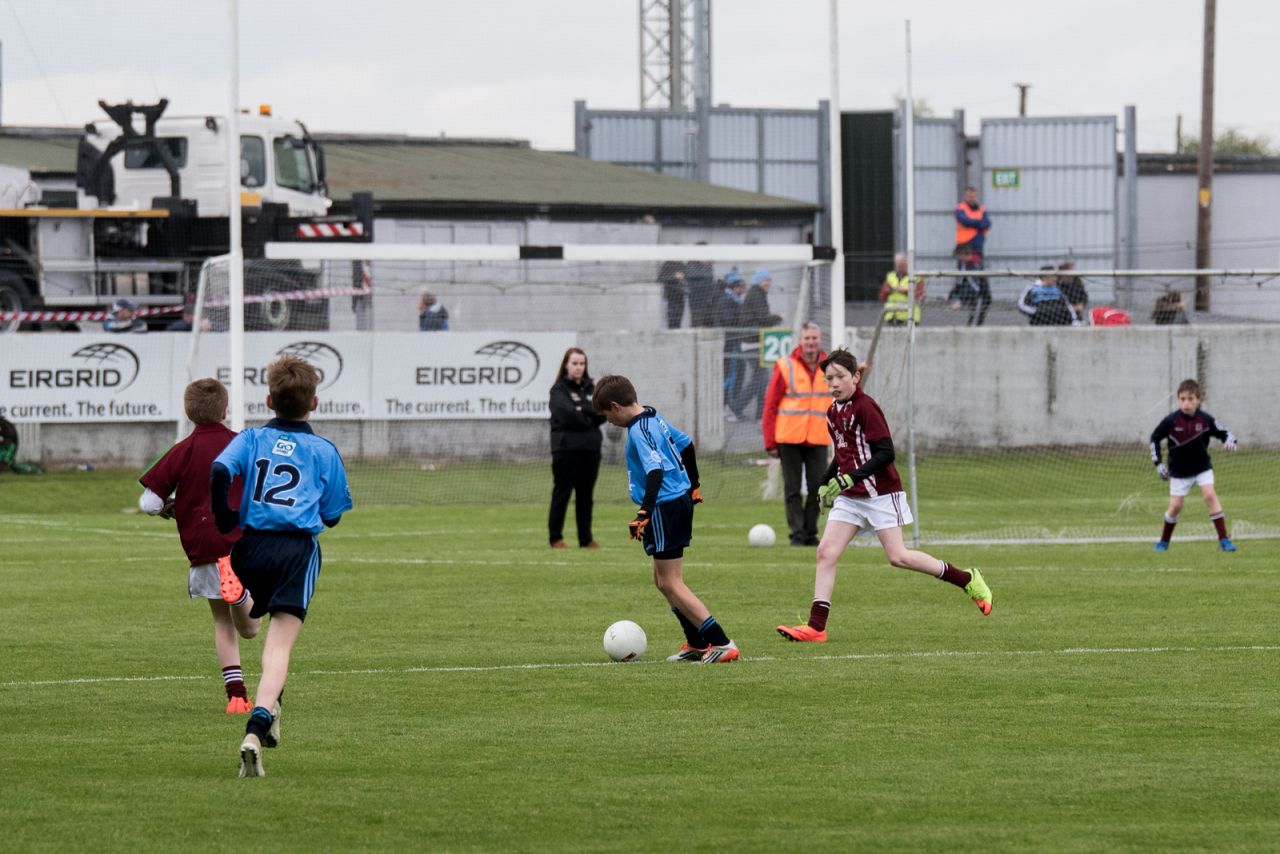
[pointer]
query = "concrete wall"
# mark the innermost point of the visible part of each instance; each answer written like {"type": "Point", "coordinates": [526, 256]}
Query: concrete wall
{"type": "Point", "coordinates": [991, 388]}
{"type": "Point", "coordinates": [532, 296]}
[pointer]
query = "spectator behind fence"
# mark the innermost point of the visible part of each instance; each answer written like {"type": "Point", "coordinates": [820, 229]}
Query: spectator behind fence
{"type": "Point", "coordinates": [972, 224]}
{"type": "Point", "coordinates": [728, 316]}
{"type": "Point", "coordinates": [1072, 288]}
{"type": "Point", "coordinates": [124, 318]}
{"type": "Point", "coordinates": [755, 316]}
{"type": "Point", "coordinates": [700, 286]}
{"type": "Point", "coordinates": [671, 275]}
{"type": "Point", "coordinates": [1170, 310]}
{"type": "Point", "coordinates": [972, 292]}
{"type": "Point", "coordinates": [895, 295]}
{"type": "Point", "coordinates": [432, 315]}
{"type": "Point", "coordinates": [1043, 303]}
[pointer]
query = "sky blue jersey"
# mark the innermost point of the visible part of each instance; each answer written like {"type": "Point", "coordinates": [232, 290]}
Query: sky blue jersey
{"type": "Point", "coordinates": [652, 444]}
{"type": "Point", "coordinates": [293, 478]}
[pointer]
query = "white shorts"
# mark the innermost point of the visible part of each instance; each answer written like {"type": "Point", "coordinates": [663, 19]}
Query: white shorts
{"type": "Point", "coordinates": [874, 514]}
{"type": "Point", "coordinates": [1182, 485]}
{"type": "Point", "coordinates": [203, 582]}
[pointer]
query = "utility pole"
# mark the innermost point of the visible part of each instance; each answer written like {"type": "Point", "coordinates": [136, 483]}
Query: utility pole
{"type": "Point", "coordinates": [1204, 166]}
{"type": "Point", "coordinates": [1022, 98]}
{"type": "Point", "coordinates": [1177, 135]}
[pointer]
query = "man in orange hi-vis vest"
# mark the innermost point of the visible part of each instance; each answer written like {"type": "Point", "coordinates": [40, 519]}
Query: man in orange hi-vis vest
{"type": "Point", "coordinates": [794, 424]}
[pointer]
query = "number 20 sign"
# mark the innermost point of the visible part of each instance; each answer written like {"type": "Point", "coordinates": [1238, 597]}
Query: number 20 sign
{"type": "Point", "coordinates": [775, 344]}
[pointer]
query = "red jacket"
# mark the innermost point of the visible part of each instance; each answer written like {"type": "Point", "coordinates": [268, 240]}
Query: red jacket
{"type": "Point", "coordinates": [773, 397]}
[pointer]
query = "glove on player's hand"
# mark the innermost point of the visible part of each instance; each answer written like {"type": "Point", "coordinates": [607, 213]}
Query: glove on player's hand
{"type": "Point", "coordinates": [635, 528]}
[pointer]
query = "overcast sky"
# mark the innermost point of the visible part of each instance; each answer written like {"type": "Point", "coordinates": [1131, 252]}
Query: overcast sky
{"type": "Point", "coordinates": [513, 68]}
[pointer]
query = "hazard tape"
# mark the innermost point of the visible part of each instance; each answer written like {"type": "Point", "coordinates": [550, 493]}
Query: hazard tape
{"type": "Point", "coordinates": [100, 314]}
{"type": "Point", "coordinates": [331, 229]}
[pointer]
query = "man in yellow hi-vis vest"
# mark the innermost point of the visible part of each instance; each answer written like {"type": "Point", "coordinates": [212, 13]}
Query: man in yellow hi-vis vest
{"type": "Point", "coordinates": [794, 424]}
{"type": "Point", "coordinates": [895, 296]}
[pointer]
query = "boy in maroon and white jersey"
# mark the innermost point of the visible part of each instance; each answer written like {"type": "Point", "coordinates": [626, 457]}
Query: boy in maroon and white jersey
{"type": "Point", "coordinates": [864, 492]}
{"type": "Point", "coordinates": [186, 468]}
{"type": "Point", "coordinates": [1187, 431]}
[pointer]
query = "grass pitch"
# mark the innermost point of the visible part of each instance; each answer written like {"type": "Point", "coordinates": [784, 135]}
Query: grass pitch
{"type": "Point", "coordinates": [449, 692]}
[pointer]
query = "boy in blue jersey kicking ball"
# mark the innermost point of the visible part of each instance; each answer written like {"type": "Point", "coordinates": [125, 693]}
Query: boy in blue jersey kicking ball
{"type": "Point", "coordinates": [662, 476]}
{"type": "Point", "coordinates": [294, 487]}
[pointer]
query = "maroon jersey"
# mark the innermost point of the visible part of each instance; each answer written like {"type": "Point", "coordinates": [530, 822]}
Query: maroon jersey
{"type": "Point", "coordinates": [186, 466]}
{"type": "Point", "coordinates": [854, 425]}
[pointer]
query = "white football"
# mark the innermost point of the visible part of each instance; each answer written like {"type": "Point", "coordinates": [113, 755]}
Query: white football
{"type": "Point", "coordinates": [625, 641]}
{"type": "Point", "coordinates": [761, 536]}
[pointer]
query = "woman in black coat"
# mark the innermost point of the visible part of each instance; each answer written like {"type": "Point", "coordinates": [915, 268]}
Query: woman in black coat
{"type": "Point", "coordinates": [575, 448]}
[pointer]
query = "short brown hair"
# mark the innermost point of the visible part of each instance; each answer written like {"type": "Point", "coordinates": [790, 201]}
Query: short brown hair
{"type": "Point", "coordinates": [611, 389]}
{"type": "Point", "coordinates": [1191, 386]}
{"type": "Point", "coordinates": [205, 401]}
{"type": "Point", "coordinates": [292, 382]}
{"type": "Point", "coordinates": [841, 357]}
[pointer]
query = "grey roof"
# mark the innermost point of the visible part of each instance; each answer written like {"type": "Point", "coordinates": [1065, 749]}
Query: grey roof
{"type": "Point", "coordinates": [507, 171]}
{"type": "Point", "coordinates": [404, 171]}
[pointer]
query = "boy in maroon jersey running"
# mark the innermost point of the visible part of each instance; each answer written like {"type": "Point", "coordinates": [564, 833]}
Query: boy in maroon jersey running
{"type": "Point", "coordinates": [863, 490]}
{"type": "Point", "coordinates": [187, 467]}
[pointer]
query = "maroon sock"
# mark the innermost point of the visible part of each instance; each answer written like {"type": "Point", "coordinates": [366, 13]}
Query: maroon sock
{"type": "Point", "coordinates": [1220, 522]}
{"type": "Point", "coordinates": [234, 680]}
{"type": "Point", "coordinates": [1167, 533]}
{"type": "Point", "coordinates": [954, 575]}
{"type": "Point", "coordinates": [818, 613]}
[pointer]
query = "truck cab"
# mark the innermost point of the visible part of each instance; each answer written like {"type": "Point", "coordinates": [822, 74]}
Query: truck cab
{"type": "Point", "coordinates": [279, 163]}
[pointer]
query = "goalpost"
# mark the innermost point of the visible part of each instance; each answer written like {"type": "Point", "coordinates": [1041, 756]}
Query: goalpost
{"type": "Point", "coordinates": [1005, 418]}
{"type": "Point", "coordinates": [1006, 413]}
{"type": "Point", "coordinates": [424, 416]}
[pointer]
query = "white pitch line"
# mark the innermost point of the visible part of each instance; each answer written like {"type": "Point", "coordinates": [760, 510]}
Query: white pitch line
{"type": "Point", "coordinates": [583, 665]}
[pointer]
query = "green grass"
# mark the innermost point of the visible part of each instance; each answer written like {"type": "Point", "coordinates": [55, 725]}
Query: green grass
{"type": "Point", "coordinates": [974, 497]}
{"type": "Point", "coordinates": [449, 692]}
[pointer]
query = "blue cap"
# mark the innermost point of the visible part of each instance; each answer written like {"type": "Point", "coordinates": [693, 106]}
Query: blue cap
{"type": "Point", "coordinates": [733, 277]}
{"type": "Point", "coordinates": [760, 276]}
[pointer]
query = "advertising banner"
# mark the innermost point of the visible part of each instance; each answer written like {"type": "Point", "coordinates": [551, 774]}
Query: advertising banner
{"type": "Point", "coordinates": [465, 374]}
{"type": "Point", "coordinates": [68, 377]}
{"type": "Point", "coordinates": [54, 378]}
{"type": "Point", "coordinates": [343, 360]}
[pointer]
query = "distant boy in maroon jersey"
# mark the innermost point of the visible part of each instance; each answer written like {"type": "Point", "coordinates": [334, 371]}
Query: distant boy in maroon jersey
{"type": "Point", "coordinates": [1188, 431]}
{"type": "Point", "coordinates": [864, 492]}
{"type": "Point", "coordinates": [186, 467]}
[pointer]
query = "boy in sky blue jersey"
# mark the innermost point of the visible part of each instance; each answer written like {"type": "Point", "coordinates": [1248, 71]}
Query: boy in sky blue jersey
{"type": "Point", "coordinates": [662, 477]}
{"type": "Point", "coordinates": [295, 487]}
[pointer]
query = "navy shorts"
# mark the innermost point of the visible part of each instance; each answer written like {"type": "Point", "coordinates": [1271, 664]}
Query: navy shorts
{"type": "Point", "coordinates": [279, 568]}
{"type": "Point", "coordinates": [670, 529]}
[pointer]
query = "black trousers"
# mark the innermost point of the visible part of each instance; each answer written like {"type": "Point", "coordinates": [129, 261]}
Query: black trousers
{"type": "Point", "coordinates": [802, 511]}
{"type": "Point", "coordinates": [572, 472]}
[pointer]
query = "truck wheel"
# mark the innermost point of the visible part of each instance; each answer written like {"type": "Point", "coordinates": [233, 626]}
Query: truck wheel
{"type": "Point", "coordinates": [13, 297]}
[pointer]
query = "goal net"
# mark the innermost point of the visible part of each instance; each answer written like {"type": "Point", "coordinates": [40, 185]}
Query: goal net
{"type": "Point", "coordinates": [436, 376]}
{"type": "Point", "coordinates": [1022, 430]}
{"type": "Point", "coordinates": [437, 373]}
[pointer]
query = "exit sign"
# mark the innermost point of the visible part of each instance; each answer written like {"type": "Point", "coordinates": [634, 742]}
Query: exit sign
{"type": "Point", "coordinates": [1006, 179]}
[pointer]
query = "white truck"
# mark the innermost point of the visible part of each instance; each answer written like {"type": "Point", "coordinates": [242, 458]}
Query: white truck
{"type": "Point", "coordinates": [152, 205]}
